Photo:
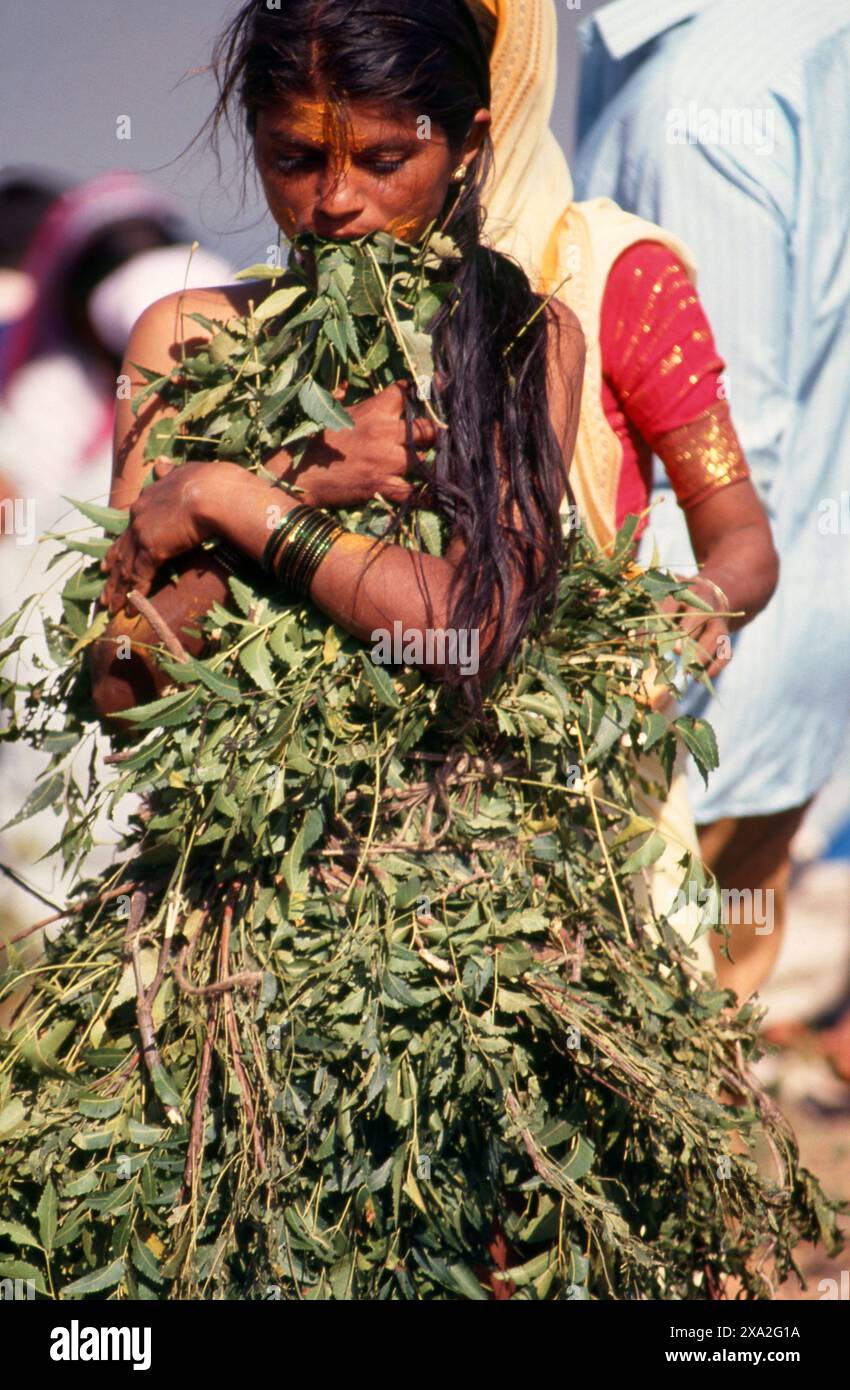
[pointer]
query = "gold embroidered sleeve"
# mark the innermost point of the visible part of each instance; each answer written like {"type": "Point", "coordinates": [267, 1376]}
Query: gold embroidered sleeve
{"type": "Point", "coordinates": [703, 456]}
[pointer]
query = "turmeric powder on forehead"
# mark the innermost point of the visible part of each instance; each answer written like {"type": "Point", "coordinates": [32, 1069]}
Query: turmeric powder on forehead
{"type": "Point", "coordinates": [323, 122]}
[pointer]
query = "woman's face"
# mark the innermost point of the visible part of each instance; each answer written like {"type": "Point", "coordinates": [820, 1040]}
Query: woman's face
{"type": "Point", "coordinates": [376, 169]}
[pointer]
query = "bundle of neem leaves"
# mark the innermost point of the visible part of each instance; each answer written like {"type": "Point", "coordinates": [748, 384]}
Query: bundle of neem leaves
{"type": "Point", "coordinates": [369, 981]}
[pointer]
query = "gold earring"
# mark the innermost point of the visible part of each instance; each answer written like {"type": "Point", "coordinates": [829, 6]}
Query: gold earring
{"type": "Point", "coordinates": [459, 175]}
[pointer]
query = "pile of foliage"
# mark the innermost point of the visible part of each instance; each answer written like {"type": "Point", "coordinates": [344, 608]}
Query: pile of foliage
{"type": "Point", "coordinates": [370, 980]}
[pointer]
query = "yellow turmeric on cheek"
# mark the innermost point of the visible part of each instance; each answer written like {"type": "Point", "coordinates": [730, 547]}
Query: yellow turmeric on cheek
{"type": "Point", "coordinates": [405, 227]}
{"type": "Point", "coordinates": [286, 219]}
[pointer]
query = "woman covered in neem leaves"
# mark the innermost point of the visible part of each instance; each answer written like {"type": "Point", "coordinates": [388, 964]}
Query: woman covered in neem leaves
{"type": "Point", "coordinates": [387, 1015]}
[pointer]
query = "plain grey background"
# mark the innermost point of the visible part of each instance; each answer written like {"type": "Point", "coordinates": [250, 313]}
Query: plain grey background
{"type": "Point", "coordinates": [70, 68]}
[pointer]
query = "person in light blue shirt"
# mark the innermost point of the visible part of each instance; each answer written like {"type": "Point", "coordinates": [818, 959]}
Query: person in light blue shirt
{"type": "Point", "coordinates": [728, 122]}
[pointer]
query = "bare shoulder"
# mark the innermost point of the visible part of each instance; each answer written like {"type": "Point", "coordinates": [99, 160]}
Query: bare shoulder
{"type": "Point", "coordinates": [567, 334]}
{"type": "Point", "coordinates": [566, 359]}
{"type": "Point", "coordinates": [218, 302]}
{"type": "Point", "coordinates": [165, 328]}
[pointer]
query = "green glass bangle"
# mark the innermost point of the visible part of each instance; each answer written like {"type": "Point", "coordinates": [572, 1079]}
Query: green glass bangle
{"type": "Point", "coordinates": [290, 538]}
{"type": "Point", "coordinates": [299, 559]}
{"type": "Point", "coordinates": [298, 536]}
{"type": "Point", "coordinates": [291, 524]}
{"type": "Point", "coordinates": [305, 552]}
{"type": "Point", "coordinates": [310, 559]}
{"type": "Point", "coordinates": [281, 531]}
{"type": "Point", "coordinates": [314, 560]}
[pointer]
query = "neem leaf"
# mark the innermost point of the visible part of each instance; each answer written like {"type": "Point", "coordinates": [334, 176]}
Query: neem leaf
{"type": "Point", "coordinates": [99, 1107]}
{"type": "Point", "coordinates": [646, 855]}
{"type": "Point", "coordinates": [111, 519]}
{"type": "Point", "coordinates": [580, 1161]}
{"type": "Point", "coordinates": [47, 1213]}
{"type": "Point", "coordinates": [16, 1231]}
{"type": "Point", "coordinates": [145, 1134]}
{"type": "Point", "coordinates": [466, 1283]}
{"type": "Point", "coordinates": [95, 1139]}
{"type": "Point", "coordinates": [99, 624]}
{"type": "Point", "coordinates": [234, 439]}
{"type": "Point", "coordinates": [203, 403]}
{"type": "Point", "coordinates": [335, 336]}
{"type": "Point", "coordinates": [96, 1282]}
{"type": "Point", "coordinates": [275, 404]}
{"type": "Point", "coordinates": [637, 825]}
{"type": "Point", "coordinates": [161, 439]}
{"type": "Point", "coordinates": [700, 740]}
{"type": "Point", "coordinates": [279, 302]}
{"type": "Point", "coordinates": [610, 729]}
{"type": "Point", "coordinates": [245, 597]}
{"type": "Point", "coordinates": [261, 271]}
{"type": "Point", "coordinates": [662, 1001]}
{"type": "Point", "coordinates": [321, 407]}
{"type": "Point", "coordinates": [12, 1116]}
{"type": "Point", "coordinates": [445, 247]}
{"type": "Point", "coordinates": [430, 528]}
{"type": "Point", "coordinates": [418, 354]}
{"type": "Point", "coordinates": [317, 310]}
{"type": "Point", "coordinates": [190, 670]}
{"type": "Point", "coordinates": [380, 683]}
{"type": "Point", "coordinates": [46, 794]}
{"type": "Point", "coordinates": [255, 660]}
{"type": "Point", "coordinates": [144, 1260]}
{"type": "Point", "coordinates": [377, 355]}
{"type": "Point", "coordinates": [654, 727]}
{"type": "Point", "coordinates": [223, 346]}
{"type": "Point", "coordinates": [366, 297]}
{"type": "Point", "coordinates": [19, 1269]}
{"type": "Point", "coordinates": [83, 586]}
{"type": "Point", "coordinates": [171, 708]}
{"type": "Point", "coordinates": [165, 1088]}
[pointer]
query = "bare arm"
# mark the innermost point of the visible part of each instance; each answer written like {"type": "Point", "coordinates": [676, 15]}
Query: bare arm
{"type": "Point", "coordinates": [730, 536]}
{"type": "Point", "coordinates": [733, 546]}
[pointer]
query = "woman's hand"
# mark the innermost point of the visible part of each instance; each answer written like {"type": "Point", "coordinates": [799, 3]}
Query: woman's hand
{"type": "Point", "coordinates": [165, 520]}
{"type": "Point", "coordinates": [346, 468]}
{"type": "Point", "coordinates": [710, 631]}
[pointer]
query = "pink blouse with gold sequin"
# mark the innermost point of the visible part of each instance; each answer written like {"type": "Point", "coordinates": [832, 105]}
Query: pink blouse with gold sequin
{"type": "Point", "coordinates": [661, 387]}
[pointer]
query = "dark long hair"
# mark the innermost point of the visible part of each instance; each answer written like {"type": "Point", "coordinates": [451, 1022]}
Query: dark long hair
{"type": "Point", "coordinates": [500, 456]}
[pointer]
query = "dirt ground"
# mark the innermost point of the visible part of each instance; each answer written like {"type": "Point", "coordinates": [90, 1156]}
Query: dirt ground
{"type": "Point", "coordinates": [825, 1150]}
{"type": "Point", "coordinates": [811, 980]}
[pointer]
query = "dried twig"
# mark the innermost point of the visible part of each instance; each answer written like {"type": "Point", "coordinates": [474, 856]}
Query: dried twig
{"type": "Point", "coordinates": [233, 1037]}
{"type": "Point", "coordinates": [196, 1140]}
{"type": "Point", "coordinates": [168, 638]}
{"type": "Point", "coordinates": [246, 979]}
{"type": "Point", "coordinates": [124, 890]}
{"type": "Point", "coordinates": [144, 1016]}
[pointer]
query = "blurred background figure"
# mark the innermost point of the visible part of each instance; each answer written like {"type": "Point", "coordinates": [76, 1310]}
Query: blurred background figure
{"type": "Point", "coordinates": [24, 199]}
{"type": "Point", "coordinates": [99, 254]}
{"type": "Point", "coordinates": [102, 252]}
{"type": "Point", "coordinates": [727, 123]}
